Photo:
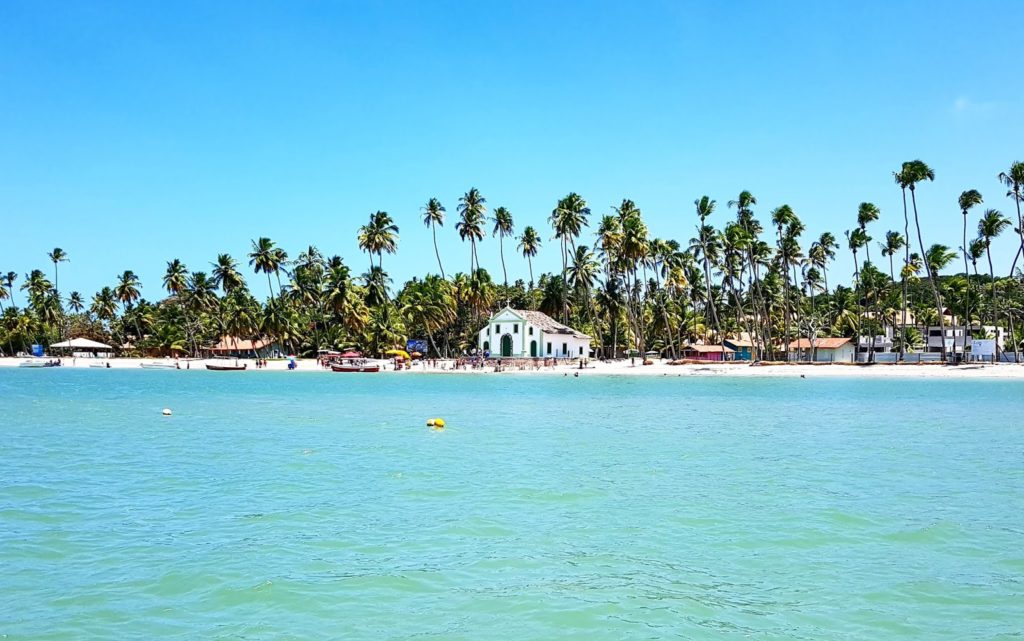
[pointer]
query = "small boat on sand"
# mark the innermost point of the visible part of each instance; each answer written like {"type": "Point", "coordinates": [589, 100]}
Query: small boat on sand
{"type": "Point", "coordinates": [159, 365]}
{"type": "Point", "coordinates": [38, 363]}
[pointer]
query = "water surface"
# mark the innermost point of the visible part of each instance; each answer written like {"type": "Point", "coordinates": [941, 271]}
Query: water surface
{"type": "Point", "coordinates": [279, 505]}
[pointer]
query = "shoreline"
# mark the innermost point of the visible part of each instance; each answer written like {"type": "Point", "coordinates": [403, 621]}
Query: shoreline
{"type": "Point", "coordinates": [1002, 371]}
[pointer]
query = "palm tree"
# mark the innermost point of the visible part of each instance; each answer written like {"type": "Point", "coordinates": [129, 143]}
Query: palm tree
{"type": "Point", "coordinates": [567, 220]}
{"type": "Point", "coordinates": [913, 172]}
{"type": "Point", "coordinates": [104, 305]}
{"type": "Point", "coordinates": [783, 217]}
{"type": "Point", "coordinates": [472, 211]}
{"type": "Point", "coordinates": [75, 302]}
{"type": "Point", "coordinates": [894, 241]}
{"type": "Point", "coordinates": [867, 213]}
{"type": "Point", "coordinates": [379, 235]}
{"type": "Point", "coordinates": [855, 240]}
{"type": "Point", "coordinates": [529, 243]}
{"type": "Point", "coordinates": [263, 258]}
{"type": "Point", "coordinates": [991, 225]}
{"type": "Point", "coordinates": [967, 200]}
{"type": "Point", "coordinates": [1014, 181]}
{"type": "Point", "coordinates": [57, 256]}
{"type": "Point", "coordinates": [127, 292]}
{"type": "Point", "coordinates": [433, 217]}
{"type": "Point", "coordinates": [226, 274]}
{"type": "Point", "coordinates": [706, 246]}
{"type": "Point", "coordinates": [9, 280]}
{"type": "Point", "coordinates": [176, 277]}
{"type": "Point", "coordinates": [503, 227]}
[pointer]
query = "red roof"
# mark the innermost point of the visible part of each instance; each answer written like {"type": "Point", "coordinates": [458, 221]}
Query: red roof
{"type": "Point", "coordinates": [820, 343]}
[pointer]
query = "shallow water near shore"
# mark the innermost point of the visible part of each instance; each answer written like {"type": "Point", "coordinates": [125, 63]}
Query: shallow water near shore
{"type": "Point", "coordinates": [282, 506]}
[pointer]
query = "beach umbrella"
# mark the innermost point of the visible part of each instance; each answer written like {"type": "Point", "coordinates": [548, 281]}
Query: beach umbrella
{"type": "Point", "coordinates": [351, 355]}
{"type": "Point", "coordinates": [401, 353]}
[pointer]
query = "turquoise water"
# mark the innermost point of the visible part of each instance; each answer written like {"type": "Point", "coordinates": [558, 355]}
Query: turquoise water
{"type": "Point", "coordinates": [305, 506]}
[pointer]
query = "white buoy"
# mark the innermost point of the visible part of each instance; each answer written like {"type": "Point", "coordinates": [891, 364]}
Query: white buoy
{"type": "Point", "coordinates": [167, 411]}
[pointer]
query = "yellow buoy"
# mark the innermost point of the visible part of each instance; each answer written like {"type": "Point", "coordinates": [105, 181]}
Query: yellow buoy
{"type": "Point", "coordinates": [439, 423]}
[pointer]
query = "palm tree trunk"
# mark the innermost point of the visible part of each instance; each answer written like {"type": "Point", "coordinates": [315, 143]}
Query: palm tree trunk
{"type": "Point", "coordinates": [992, 286]}
{"type": "Point", "coordinates": [967, 303]}
{"type": "Point", "coordinates": [529, 261]}
{"type": "Point", "coordinates": [928, 270]}
{"type": "Point", "coordinates": [903, 279]}
{"type": "Point", "coordinates": [501, 251]}
{"type": "Point", "coordinates": [433, 230]}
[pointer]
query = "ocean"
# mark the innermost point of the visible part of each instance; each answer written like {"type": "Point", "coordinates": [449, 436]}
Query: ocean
{"type": "Point", "coordinates": [282, 505]}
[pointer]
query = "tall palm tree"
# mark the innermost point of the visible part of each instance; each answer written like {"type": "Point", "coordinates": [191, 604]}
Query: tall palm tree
{"type": "Point", "coordinates": [967, 200]}
{"type": "Point", "coordinates": [1014, 181]}
{"type": "Point", "coordinates": [867, 213]}
{"type": "Point", "coordinates": [9, 279]}
{"type": "Point", "coordinates": [991, 225]}
{"type": "Point", "coordinates": [784, 217]}
{"type": "Point", "coordinates": [503, 227]}
{"type": "Point", "coordinates": [707, 245]}
{"type": "Point", "coordinates": [433, 217]}
{"type": "Point", "coordinates": [567, 220]}
{"type": "Point", "coordinates": [529, 244]}
{"type": "Point", "coordinates": [856, 240]}
{"type": "Point", "coordinates": [472, 211]}
{"type": "Point", "coordinates": [913, 172]}
{"type": "Point", "coordinates": [127, 292]}
{"type": "Point", "coordinates": [57, 256]}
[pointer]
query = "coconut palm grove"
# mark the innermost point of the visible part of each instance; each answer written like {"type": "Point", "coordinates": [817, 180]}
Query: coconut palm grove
{"type": "Point", "coordinates": [738, 267]}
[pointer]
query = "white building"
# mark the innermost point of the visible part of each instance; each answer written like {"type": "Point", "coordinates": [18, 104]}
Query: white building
{"type": "Point", "coordinates": [519, 333]}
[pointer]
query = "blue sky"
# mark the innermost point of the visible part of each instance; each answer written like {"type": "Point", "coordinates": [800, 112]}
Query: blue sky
{"type": "Point", "coordinates": [135, 133]}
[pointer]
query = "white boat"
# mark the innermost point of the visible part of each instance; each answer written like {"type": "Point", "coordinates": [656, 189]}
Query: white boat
{"type": "Point", "coordinates": [159, 365]}
{"type": "Point", "coordinates": [38, 362]}
{"type": "Point", "coordinates": [104, 365]}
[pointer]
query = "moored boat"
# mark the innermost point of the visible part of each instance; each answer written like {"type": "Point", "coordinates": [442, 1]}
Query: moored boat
{"type": "Point", "coordinates": [159, 365]}
{"type": "Point", "coordinates": [226, 367]}
{"type": "Point", "coordinates": [355, 367]}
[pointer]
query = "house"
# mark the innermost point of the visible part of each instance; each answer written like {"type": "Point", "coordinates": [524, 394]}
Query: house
{"type": "Point", "coordinates": [232, 346]}
{"type": "Point", "coordinates": [744, 349]}
{"type": "Point", "coordinates": [823, 350]}
{"type": "Point", "coordinates": [521, 333]}
{"type": "Point", "coordinates": [708, 352]}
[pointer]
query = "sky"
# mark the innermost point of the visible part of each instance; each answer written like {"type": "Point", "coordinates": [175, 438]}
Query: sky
{"type": "Point", "coordinates": [135, 133]}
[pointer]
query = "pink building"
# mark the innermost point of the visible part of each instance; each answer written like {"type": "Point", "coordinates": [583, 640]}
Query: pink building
{"type": "Point", "coordinates": [708, 352]}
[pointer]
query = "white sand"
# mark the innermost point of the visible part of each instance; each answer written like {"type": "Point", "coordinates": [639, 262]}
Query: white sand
{"type": "Point", "coordinates": [611, 368]}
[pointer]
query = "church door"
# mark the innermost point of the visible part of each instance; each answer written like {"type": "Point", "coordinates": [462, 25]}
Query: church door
{"type": "Point", "coordinates": [506, 345]}
{"type": "Point", "coordinates": [533, 349]}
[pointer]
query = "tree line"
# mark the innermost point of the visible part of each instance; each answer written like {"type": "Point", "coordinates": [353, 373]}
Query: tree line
{"type": "Point", "coordinates": [736, 276]}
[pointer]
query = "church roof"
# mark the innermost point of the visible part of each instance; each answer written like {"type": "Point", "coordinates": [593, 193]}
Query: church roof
{"type": "Point", "coordinates": [546, 324]}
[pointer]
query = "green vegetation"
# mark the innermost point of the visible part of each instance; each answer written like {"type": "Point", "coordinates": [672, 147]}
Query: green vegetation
{"type": "Point", "coordinates": [628, 290]}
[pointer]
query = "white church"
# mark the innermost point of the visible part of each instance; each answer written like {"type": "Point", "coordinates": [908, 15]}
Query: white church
{"type": "Point", "coordinates": [519, 333]}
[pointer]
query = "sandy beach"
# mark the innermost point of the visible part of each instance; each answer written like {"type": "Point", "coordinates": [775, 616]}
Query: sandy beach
{"type": "Point", "coordinates": [595, 368]}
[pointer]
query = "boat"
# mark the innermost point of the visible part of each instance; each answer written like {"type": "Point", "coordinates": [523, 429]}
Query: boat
{"type": "Point", "coordinates": [355, 367]}
{"type": "Point", "coordinates": [159, 365]}
{"type": "Point", "coordinates": [225, 367]}
{"type": "Point", "coordinates": [38, 363]}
